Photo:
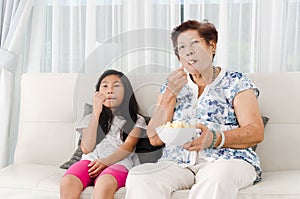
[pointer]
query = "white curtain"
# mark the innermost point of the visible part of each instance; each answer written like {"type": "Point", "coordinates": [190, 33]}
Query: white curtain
{"type": "Point", "coordinates": [278, 44]}
{"type": "Point", "coordinates": [14, 16]}
{"type": "Point", "coordinates": [89, 36]}
{"type": "Point", "coordinates": [7, 64]}
{"type": "Point", "coordinates": [134, 35]}
{"type": "Point", "coordinates": [254, 35]}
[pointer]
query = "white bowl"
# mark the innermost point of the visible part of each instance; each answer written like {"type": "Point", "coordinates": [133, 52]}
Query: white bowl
{"type": "Point", "coordinates": [176, 136]}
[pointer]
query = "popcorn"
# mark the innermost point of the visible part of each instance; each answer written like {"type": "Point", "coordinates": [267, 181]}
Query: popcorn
{"type": "Point", "coordinates": [177, 124]}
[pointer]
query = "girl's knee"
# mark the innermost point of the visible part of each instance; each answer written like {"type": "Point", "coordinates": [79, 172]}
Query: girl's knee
{"type": "Point", "coordinates": [70, 186]}
{"type": "Point", "coordinates": [106, 182]}
{"type": "Point", "coordinates": [68, 181]}
{"type": "Point", "coordinates": [105, 186]}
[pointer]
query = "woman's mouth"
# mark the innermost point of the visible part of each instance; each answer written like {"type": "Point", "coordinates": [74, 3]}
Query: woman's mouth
{"type": "Point", "coordinates": [192, 62]}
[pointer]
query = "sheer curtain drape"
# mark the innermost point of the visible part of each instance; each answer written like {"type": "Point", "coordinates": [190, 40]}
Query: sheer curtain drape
{"type": "Point", "coordinates": [278, 41]}
{"type": "Point", "coordinates": [254, 35]}
{"type": "Point", "coordinates": [71, 36]}
{"type": "Point", "coordinates": [14, 15]}
{"type": "Point", "coordinates": [89, 36]}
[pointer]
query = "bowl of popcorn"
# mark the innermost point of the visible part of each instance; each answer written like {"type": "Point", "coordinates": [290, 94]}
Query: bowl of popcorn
{"type": "Point", "coordinates": [176, 133]}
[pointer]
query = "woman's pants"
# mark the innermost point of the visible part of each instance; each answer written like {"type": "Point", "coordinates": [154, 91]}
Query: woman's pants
{"type": "Point", "coordinates": [214, 180]}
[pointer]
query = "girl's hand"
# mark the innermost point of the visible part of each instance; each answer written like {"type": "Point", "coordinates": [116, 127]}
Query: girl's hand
{"type": "Point", "coordinates": [176, 80]}
{"type": "Point", "coordinates": [202, 142]}
{"type": "Point", "coordinates": [96, 167]}
{"type": "Point", "coordinates": [99, 99]}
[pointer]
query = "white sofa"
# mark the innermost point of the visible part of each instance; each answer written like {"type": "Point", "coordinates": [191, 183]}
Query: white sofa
{"type": "Point", "coordinates": [52, 104]}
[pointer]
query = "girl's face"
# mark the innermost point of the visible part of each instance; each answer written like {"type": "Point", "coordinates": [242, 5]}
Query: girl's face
{"type": "Point", "coordinates": [194, 53]}
{"type": "Point", "coordinates": [112, 87]}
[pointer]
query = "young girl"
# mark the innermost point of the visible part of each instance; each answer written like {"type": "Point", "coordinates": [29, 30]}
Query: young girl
{"type": "Point", "coordinates": [115, 110]}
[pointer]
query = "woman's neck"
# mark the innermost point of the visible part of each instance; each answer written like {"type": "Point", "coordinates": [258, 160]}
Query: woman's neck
{"type": "Point", "coordinates": [207, 77]}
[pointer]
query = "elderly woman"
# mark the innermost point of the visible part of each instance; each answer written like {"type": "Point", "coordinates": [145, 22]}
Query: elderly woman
{"type": "Point", "coordinates": [222, 103]}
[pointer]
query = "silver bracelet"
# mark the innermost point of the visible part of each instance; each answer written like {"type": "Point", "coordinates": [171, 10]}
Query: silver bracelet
{"type": "Point", "coordinates": [222, 141]}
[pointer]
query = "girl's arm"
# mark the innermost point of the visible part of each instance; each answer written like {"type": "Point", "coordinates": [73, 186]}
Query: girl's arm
{"type": "Point", "coordinates": [89, 134]}
{"type": "Point", "coordinates": [96, 166]}
{"type": "Point", "coordinates": [125, 149]}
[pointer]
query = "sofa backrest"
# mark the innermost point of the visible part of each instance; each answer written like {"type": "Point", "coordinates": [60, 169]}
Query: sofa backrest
{"type": "Point", "coordinates": [52, 105]}
{"type": "Point", "coordinates": [280, 101]}
{"type": "Point", "coordinates": [46, 127]}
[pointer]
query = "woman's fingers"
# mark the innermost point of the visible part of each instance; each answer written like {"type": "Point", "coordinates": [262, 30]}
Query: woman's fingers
{"type": "Point", "coordinates": [176, 80]}
{"type": "Point", "coordinates": [192, 146]}
{"type": "Point", "coordinates": [201, 142]}
{"type": "Point", "coordinates": [187, 145]}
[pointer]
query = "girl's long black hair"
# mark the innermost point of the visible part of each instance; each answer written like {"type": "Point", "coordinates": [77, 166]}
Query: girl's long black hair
{"type": "Point", "coordinates": [128, 109]}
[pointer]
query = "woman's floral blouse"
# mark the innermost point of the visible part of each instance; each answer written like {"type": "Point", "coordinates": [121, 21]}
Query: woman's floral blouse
{"type": "Point", "coordinates": [214, 108]}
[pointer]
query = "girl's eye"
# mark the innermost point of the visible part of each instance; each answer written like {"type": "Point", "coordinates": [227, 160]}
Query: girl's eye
{"type": "Point", "coordinates": [117, 85]}
{"type": "Point", "coordinates": [104, 86]}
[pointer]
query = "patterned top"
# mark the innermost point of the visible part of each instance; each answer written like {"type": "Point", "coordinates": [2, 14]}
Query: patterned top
{"type": "Point", "coordinates": [112, 141]}
{"type": "Point", "coordinates": [214, 108]}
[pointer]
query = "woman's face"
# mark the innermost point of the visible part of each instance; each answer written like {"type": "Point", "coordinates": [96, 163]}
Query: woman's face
{"type": "Point", "coordinates": [194, 53]}
{"type": "Point", "coordinates": [114, 91]}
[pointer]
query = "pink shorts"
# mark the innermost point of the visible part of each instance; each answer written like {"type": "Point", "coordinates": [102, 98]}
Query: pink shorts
{"type": "Point", "coordinates": [80, 170]}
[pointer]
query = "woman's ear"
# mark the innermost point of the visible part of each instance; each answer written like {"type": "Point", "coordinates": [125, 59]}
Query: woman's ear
{"type": "Point", "coordinates": [213, 46]}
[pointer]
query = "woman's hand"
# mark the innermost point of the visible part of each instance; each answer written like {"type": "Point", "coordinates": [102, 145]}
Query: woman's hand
{"type": "Point", "coordinates": [202, 142]}
{"type": "Point", "coordinates": [176, 80]}
{"type": "Point", "coordinates": [96, 167]}
{"type": "Point", "coordinates": [99, 99]}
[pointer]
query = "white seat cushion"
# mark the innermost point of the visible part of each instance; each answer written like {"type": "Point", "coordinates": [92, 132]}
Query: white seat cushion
{"type": "Point", "coordinates": [33, 181]}
{"type": "Point", "coordinates": [41, 181]}
{"type": "Point", "coordinates": [275, 184]}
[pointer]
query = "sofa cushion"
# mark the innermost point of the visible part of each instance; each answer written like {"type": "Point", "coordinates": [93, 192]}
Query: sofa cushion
{"type": "Point", "coordinates": [74, 158]}
{"type": "Point", "coordinates": [275, 185]}
{"type": "Point", "coordinates": [29, 181]}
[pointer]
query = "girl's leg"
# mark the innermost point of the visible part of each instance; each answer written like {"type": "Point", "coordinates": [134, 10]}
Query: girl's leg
{"type": "Point", "coordinates": [105, 187]}
{"type": "Point", "coordinates": [157, 180]}
{"type": "Point", "coordinates": [108, 182]}
{"type": "Point", "coordinates": [70, 187]}
{"type": "Point", "coordinates": [75, 180]}
{"type": "Point", "coordinates": [222, 179]}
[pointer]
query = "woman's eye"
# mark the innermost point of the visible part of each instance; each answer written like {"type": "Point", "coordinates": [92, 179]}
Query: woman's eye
{"type": "Point", "coordinates": [195, 42]}
{"type": "Point", "coordinates": [117, 85]}
{"type": "Point", "coordinates": [104, 86]}
{"type": "Point", "coordinates": [180, 48]}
